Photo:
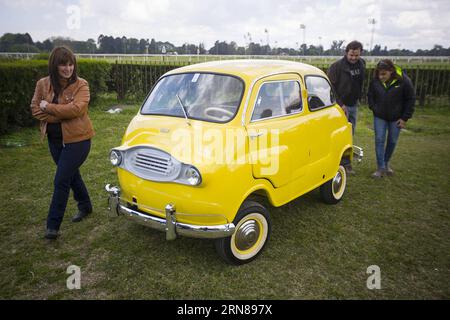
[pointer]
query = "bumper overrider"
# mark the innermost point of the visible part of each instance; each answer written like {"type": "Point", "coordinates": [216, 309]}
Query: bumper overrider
{"type": "Point", "coordinates": [169, 225]}
{"type": "Point", "coordinates": [358, 153]}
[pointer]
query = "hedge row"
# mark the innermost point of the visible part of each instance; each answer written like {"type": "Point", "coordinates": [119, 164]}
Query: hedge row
{"type": "Point", "coordinates": [134, 80]}
{"type": "Point", "coordinates": [18, 81]}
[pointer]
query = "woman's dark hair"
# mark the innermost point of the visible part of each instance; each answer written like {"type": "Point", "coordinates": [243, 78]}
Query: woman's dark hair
{"type": "Point", "coordinates": [354, 45]}
{"type": "Point", "coordinates": [385, 65]}
{"type": "Point", "coordinates": [59, 56]}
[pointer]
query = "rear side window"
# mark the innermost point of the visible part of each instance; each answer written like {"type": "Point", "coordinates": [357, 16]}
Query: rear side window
{"type": "Point", "coordinates": [320, 93]}
{"type": "Point", "coordinates": [277, 99]}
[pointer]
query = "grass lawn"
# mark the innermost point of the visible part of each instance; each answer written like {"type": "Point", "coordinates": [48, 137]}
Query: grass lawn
{"type": "Point", "coordinates": [316, 251]}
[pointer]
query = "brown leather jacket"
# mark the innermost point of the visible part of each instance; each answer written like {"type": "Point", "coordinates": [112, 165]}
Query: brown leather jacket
{"type": "Point", "coordinates": [71, 110]}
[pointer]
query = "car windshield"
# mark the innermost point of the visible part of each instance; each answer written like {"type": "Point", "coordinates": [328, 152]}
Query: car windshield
{"type": "Point", "coordinates": [201, 96]}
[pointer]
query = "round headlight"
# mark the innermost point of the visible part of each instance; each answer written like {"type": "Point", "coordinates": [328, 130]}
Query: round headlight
{"type": "Point", "coordinates": [115, 157]}
{"type": "Point", "coordinates": [193, 176]}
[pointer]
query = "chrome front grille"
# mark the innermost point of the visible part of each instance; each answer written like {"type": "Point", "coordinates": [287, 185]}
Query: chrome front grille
{"type": "Point", "coordinates": [152, 164]}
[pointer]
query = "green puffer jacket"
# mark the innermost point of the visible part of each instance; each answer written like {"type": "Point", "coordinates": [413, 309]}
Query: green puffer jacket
{"type": "Point", "coordinates": [393, 100]}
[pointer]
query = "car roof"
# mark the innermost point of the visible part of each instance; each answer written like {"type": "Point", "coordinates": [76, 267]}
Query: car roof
{"type": "Point", "coordinates": [250, 68]}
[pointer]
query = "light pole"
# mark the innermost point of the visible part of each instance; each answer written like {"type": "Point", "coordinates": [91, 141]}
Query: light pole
{"type": "Point", "coordinates": [267, 33]}
{"type": "Point", "coordinates": [303, 27]}
{"type": "Point", "coordinates": [320, 47]}
{"type": "Point", "coordinates": [245, 44]}
{"type": "Point", "coordinates": [124, 40]}
{"type": "Point", "coordinates": [372, 21]}
{"type": "Point", "coordinates": [248, 39]}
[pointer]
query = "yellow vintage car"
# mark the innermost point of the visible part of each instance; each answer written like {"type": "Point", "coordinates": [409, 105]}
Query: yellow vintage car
{"type": "Point", "coordinates": [213, 138]}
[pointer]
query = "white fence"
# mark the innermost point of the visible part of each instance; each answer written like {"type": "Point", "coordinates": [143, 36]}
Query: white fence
{"type": "Point", "coordinates": [208, 57]}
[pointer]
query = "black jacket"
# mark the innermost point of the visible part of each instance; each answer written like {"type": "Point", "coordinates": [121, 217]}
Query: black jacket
{"type": "Point", "coordinates": [341, 80]}
{"type": "Point", "coordinates": [393, 102]}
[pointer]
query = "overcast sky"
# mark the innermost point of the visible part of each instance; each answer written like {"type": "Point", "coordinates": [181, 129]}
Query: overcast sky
{"type": "Point", "coordinates": [401, 24]}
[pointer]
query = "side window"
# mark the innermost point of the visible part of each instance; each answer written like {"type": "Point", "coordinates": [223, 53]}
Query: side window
{"type": "Point", "coordinates": [320, 93]}
{"type": "Point", "coordinates": [277, 99]}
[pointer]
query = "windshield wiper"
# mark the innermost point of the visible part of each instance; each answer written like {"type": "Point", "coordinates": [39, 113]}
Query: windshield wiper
{"type": "Point", "coordinates": [184, 109]}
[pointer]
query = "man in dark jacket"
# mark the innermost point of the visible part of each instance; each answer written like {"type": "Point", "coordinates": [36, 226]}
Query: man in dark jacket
{"type": "Point", "coordinates": [347, 77]}
{"type": "Point", "coordinates": [391, 98]}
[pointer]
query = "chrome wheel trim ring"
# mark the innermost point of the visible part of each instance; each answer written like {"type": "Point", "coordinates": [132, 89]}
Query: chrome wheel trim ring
{"type": "Point", "coordinates": [263, 234]}
{"type": "Point", "coordinates": [339, 183]}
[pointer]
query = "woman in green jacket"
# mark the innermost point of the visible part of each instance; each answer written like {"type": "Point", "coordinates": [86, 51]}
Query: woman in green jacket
{"type": "Point", "coordinates": [391, 98]}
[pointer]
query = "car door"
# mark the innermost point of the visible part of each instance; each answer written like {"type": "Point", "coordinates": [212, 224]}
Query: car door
{"type": "Point", "coordinates": [276, 131]}
{"type": "Point", "coordinates": [324, 114]}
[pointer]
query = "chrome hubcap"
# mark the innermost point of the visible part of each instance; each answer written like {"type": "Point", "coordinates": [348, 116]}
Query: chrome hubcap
{"type": "Point", "coordinates": [247, 235]}
{"type": "Point", "coordinates": [337, 182]}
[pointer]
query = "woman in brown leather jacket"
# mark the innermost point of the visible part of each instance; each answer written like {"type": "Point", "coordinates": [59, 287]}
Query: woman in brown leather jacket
{"type": "Point", "coordinates": [61, 102]}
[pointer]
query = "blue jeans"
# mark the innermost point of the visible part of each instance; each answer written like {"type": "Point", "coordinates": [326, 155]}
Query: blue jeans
{"type": "Point", "coordinates": [383, 149]}
{"type": "Point", "coordinates": [68, 159]}
{"type": "Point", "coordinates": [352, 114]}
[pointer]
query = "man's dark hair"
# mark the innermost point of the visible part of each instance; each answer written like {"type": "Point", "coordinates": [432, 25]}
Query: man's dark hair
{"type": "Point", "coordinates": [354, 45]}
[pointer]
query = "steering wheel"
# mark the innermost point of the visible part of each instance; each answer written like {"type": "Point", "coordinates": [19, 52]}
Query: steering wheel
{"type": "Point", "coordinates": [226, 113]}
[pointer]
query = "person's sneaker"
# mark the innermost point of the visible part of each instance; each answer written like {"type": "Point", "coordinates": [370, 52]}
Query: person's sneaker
{"type": "Point", "coordinates": [349, 169]}
{"type": "Point", "coordinates": [51, 234]}
{"type": "Point", "coordinates": [378, 174]}
{"type": "Point", "coordinates": [389, 171]}
{"type": "Point", "coordinates": [80, 216]}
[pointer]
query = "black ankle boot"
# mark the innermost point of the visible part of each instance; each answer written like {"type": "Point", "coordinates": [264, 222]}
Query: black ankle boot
{"type": "Point", "coordinates": [80, 216]}
{"type": "Point", "coordinates": [51, 234]}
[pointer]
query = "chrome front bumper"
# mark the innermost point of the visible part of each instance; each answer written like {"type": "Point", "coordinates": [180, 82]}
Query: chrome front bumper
{"type": "Point", "coordinates": [358, 153]}
{"type": "Point", "coordinates": [169, 225]}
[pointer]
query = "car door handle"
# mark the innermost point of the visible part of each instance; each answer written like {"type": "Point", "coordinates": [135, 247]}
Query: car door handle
{"type": "Point", "coordinates": [255, 135]}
